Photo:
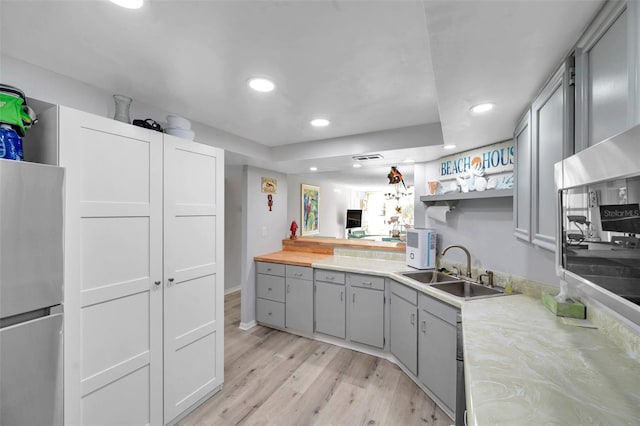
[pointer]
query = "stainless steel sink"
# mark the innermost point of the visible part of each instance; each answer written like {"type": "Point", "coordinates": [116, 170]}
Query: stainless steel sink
{"type": "Point", "coordinates": [429, 277]}
{"type": "Point", "coordinates": [467, 289]}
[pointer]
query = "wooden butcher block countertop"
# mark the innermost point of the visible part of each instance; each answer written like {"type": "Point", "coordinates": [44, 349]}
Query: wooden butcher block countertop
{"type": "Point", "coordinates": [303, 243]}
{"type": "Point", "coordinates": [289, 257]}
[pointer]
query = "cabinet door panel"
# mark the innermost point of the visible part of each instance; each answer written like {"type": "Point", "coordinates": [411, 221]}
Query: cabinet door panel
{"type": "Point", "coordinates": [299, 304]}
{"type": "Point", "coordinates": [551, 127]}
{"type": "Point", "coordinates": [366, 316]}
{"type": "Point", "coordinates": [193, 249]}
{"type": "Point", "coordinates": [330, 309]}
{"type": "Point", "coordinates": [608, 83]}
{"type": "Point", "coordinates": [113, 257]}
{"type": "Point", "coordinates": [522, 173]}
{"type": "Point", "coordinates": [403, 333]}
{"type": "Point", "coordinates": [437, 349]}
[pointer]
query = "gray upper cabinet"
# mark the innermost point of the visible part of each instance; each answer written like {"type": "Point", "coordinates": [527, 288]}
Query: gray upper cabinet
{"type": "Point", "coordinates": [551, 141]}
{"type": "Point", "coordinates": [522, 173]}
{"type": "Point", "coordinates": [605, 96]}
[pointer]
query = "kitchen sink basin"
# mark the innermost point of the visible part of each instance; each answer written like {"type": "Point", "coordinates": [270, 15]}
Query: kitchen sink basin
{"type": "Point", "coordinates": [467, 289]}
{"type": "Point", "coordinates": [428, 277]}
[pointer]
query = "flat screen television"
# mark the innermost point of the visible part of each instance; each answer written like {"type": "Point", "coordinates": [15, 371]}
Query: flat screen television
{"type": "Point", "coordinates": [354, 219]}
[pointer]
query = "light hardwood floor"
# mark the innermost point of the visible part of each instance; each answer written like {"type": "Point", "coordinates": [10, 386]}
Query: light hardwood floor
{"type": "Point", "coordinates": [277, 378]}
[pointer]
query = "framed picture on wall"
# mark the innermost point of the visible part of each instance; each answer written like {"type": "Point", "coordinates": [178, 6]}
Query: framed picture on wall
{"type": "Point", "coordinates": [310, 208]}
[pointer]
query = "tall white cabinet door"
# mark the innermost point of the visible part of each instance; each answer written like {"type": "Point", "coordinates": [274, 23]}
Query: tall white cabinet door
{"type": "Point", "coordinates": [113, 258]}
{"type": "Point", "coordinates": [194, 279]}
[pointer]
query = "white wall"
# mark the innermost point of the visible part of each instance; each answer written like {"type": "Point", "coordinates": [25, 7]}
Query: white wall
{"type": "Point", "coordinates": [47, 86]}
{"type": "Point", "coordinates": [485, 227]}
{"type": "Point", "coordinates": [262, 230]}
{"type": "Point", "coordinates": [335, 199]}
{"type": "Point", "coordinates": [233, 226]}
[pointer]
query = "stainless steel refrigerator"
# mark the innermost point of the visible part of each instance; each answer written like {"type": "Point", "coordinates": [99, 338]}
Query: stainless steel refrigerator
{"type": "Point", "coordinates": [31, 280]}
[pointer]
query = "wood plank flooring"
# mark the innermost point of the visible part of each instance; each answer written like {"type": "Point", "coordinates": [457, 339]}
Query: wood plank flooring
{"type": "Point", "coordinates": [276, 378]}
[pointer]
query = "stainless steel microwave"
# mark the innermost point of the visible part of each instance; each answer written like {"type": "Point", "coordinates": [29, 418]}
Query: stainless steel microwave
{"type": "Point", "coordinates": [598, 218]}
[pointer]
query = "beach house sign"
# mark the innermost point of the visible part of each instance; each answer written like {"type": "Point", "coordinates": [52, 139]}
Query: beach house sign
{"type": "Point", "coordinates": [496, 158]}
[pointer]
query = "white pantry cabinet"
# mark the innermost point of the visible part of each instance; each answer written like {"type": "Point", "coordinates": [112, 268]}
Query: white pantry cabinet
{"type": "Point", "coordinates": [144, 263]}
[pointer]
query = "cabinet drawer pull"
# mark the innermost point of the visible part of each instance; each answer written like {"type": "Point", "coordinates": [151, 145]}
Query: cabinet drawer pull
{"type": "Point", "coordinates": [269, 289]}
{"type": "Point", "coordinates": [369, 283]}
{"type": "Point", "coordinates": [157, 282]}
{"type": "Point", "coordinates": [297, 274]}
{"type": "Point", "coordinates": [413, 319]}
{"type": "Point", "coordinates": [331, 278]}
{"type": "Point", "coordinates": [424, 326]}
{"type": "Point", "coordinates": [170, 280]}
{"type": "Point", "coordinates": [353, 298]}
{"type": "Point", "coordinates": [269, 270]}
{"type": "Point", "coordinates": [341, 296]}
{"type": "Point", "coordinates": [269, 313]}
{"type": "Point", "coordinates": [288, 288]}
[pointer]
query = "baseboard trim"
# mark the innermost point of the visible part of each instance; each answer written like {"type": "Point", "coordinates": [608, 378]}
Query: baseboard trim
{"type": "Point", "coordinates": [232, 290]}
{"type": "Point", "coordinates": [189, 410]}
{"type": "Point", "coordinates": [244, 326]}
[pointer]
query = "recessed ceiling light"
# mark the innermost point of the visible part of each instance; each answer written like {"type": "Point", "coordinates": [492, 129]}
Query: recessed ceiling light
{"type": "Point", "coordinates": [356, 165]}
{"type": "Point", "coordinates": [482, 108]}
{"type": "Point", "coordinates": [409, 161]}
{"type": "Point", "coordinates": [450, 146]}
{"type": "Point", "coordinates": [260, 84]}
{"type": "Point", "coordinates": [129, 4]}
{"type": "Point", "coordinates": [320, 122]}
{"type": "Point", "coordinates": [313, 169]}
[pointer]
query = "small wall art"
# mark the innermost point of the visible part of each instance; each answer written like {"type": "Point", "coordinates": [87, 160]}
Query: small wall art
{"type": "Point", "coordinates": [310, 208]}
{"type": "Point", "coordinates": [269, 185]}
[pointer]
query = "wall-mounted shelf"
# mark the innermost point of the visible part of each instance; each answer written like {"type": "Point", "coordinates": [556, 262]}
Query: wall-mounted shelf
{"type": "Point", "coordinates": [452, 198]}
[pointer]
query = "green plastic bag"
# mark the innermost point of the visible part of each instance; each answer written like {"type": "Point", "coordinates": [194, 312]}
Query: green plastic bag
{"type": "Point", "coordinates": [12, 113]}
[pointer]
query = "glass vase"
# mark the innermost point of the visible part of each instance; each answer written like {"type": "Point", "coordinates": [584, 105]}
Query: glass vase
{"type": "Point", "coordinates": [123, 103]}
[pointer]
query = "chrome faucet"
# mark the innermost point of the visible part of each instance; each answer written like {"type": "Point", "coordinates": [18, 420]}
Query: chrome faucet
{"type": "Point", "coordinates": [489, 275]}
{"type": "Point", "coordinates": [466, 252]}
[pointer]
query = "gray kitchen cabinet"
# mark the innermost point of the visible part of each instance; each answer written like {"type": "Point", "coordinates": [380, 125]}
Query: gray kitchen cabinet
{"type": "Point", "coordinates": [299, 298]}
{"type": "Point", "coordinates": [522, 174]}
{"type": "Point", "coordinates": [551, 141]}
{"type": "Point", "coordinates": [270, 294]}
{"type": "Point", "coordinates": [543, 137]}
{"type": "Point", "coordinates": [605, 95]}
{"type": "Point", "coordinates": [437, 349]}
{"type": "Point", "coordinates": [403, 334]}
{"type": "Point", "coordinates": [330, 303]}
{"type": "Point", "coordinates": [366, 309]}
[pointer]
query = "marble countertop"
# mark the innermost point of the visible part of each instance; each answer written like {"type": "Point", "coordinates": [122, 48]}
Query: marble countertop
{"type": "Point", "coordinates": [524, 365]}
{"type": "Point", "coordinates": [388, 268]}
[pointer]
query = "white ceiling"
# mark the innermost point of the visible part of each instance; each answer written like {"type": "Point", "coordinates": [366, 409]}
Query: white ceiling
{"type": "Point", "coordinates": [366, 65]}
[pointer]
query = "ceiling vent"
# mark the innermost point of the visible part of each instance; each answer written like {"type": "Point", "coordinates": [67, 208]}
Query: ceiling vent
{"type": "Point", "coordinates": [366, 157]}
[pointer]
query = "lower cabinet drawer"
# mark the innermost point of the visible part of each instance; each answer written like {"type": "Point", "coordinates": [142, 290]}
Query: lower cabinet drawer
{"type": "Point", "coordinates": [270, 312]}
{"type": "Point", "coordinates": [270, 287]}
